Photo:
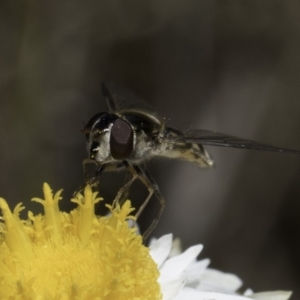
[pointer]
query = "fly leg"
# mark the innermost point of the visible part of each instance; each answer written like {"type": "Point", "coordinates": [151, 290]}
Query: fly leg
{"type": "Point", "coordinates": [95, 178]}
{"type": "Point", "coordinates": [101, 168]}
{"type": "Point", "coordinates": [152, 187]}
{"type": "Point", "coordinates": [123, 191]}
{"type": "Point", "coordinates": [91, 181]}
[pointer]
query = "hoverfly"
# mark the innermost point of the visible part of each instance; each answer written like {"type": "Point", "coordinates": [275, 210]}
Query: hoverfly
{"type": "Point", "coordinates": [131, 132]}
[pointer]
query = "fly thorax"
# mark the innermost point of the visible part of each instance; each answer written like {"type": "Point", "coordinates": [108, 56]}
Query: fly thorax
{"type": "Point", "coordinates": [143, 145]}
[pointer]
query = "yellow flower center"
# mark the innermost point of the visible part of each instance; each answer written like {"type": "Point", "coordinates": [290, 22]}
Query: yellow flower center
{"type": "Point", "coordinates": [75, 255]}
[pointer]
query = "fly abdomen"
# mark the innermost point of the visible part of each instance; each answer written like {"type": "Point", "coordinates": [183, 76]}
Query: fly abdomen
{"type": "Point", "coordinates": [191, 152]}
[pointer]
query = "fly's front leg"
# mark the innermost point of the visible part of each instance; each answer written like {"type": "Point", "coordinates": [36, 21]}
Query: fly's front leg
{"type": "Point", "coordinates": [124, 190]}
{"type": "Point", "coordinates": [91, 181]}
{"type": "Point", "coordinates": [152, 187]}
{"type": "Point", "coordinates": [84, 163]}
{"type": "Point", "coordinates": [121, 195]}
{"type": "Point", "coordinates": [100, 169]}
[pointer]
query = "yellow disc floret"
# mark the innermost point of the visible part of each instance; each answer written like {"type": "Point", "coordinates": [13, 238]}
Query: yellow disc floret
{"type": "Point", "coordinates": [75, 255]}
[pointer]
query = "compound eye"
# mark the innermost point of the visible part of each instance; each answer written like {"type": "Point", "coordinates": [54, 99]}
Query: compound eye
{"type": "Point", "coordinates": [121, 140]}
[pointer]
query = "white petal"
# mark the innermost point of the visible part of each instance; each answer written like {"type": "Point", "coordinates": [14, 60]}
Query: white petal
{"type": "Point", "coordinates": [176, 248]}
{"type": "Point", "coordinates": [196, 269]}
{"type": "Point", "coordinates": [152, 241]}
{"type": "Point", "coordinates": [132, 224]}
{"type": "Point", "coordinates": [171, 289]}
{"type": "Point", "coordinates": [214, 280]}
{"type": "Point", "coordinates": [174, 267]}
{"type": "Point", "coordinates": [160, 249]}
{"type": "Point", "coordinates": [276, 295]}
{"type": "Point", "coordinates": [191, 294]}
{"type": "Point", "coordinates": [248, 292]}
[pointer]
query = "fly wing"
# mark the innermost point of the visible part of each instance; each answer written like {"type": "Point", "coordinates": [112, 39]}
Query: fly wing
{"type": "Point", "coordinates": [211, 138]}
{"type": "Point", "coordinates": [119, 99]}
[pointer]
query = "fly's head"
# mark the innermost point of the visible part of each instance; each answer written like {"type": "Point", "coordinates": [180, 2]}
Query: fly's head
{"type": "Point", "coordinates": [109, 137]}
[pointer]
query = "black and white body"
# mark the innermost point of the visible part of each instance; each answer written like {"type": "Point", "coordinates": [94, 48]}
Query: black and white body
{"type": "Point", "coordinates": [131, 133]}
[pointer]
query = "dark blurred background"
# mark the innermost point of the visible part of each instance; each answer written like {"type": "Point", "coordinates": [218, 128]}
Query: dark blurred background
{"type": "Point", "coordinates": [229, 66]}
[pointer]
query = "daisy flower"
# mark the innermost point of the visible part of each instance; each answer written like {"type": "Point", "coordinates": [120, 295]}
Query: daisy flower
{"type": "Point", "coordinates": [82, 256]}
{"type": "Point", "coordinates": [75, 255]}
{"type": "Point", "coordinates": [182, 277]}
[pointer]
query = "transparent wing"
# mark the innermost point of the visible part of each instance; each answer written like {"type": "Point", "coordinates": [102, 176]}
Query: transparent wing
{"type": "Point", "coordinates": [119, 99]}
{"type": "Point", "coordinates": [211, 138]}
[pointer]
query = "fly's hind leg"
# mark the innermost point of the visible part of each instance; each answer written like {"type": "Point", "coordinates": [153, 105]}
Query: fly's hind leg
{"type": "Point", "coordinates": [152, 187]}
